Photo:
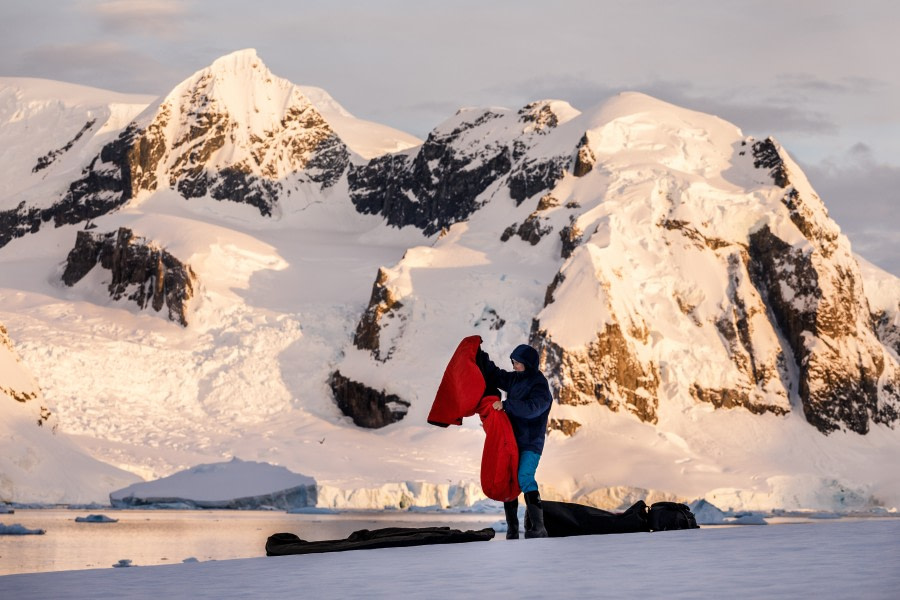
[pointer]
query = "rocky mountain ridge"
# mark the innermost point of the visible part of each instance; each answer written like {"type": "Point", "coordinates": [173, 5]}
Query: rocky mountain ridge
{"type": "Point", "coordinates": [147, 275]}
{"type": "Point", "coordinates": [683, 282]}
{"type": "Point", "coordinates": [790, 310]}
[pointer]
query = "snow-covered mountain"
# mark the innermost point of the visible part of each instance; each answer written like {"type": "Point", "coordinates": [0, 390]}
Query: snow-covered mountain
{"type": "Point", "coordinates": [704, 324]}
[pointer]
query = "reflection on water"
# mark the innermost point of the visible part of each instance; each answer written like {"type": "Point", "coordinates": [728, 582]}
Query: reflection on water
{"type": "Point", "coordinates": [154, 537]}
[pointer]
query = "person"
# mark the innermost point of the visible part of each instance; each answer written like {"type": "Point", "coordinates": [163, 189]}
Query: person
{"type": "Point", "coordinates": [527, 405]}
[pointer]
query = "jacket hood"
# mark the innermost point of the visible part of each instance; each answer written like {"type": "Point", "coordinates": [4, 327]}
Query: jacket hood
{"type": "Point", "coordinates": [526, 355]}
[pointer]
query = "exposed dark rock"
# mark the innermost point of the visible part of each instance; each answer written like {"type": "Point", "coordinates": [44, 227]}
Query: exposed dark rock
{"type": "Point", "coordinates": [546, 203]}
{"type": "Point", "coordinates": [19, 221]}
{"type": "Point", "coordinates": [533, 176]}
{"type": "Point", "coordinates": [303, 144]}
{"type": "Point", "coordinates": [303, 139]}
{"type": "Point", "coordinates": [689, 231]}
{"type": "Point", "coordinates": [43, 416]}
{"type": "Point", "coordinates": [234, 185]}
{"type": "Point", "coordinates": [490, 316]}
{"type": "Point", "coordinates": [571, 237]}
{"type": "Point", "coordinates": [45, 161]}
{"type": "Point", "coordinates": [531, 231]}
{"type": "Point", "coordinates": [766, 156]}
{"type": "Point", "coordinates": [327, 164]}
{"type": "Point", "coordinates": [367, 407]}
{"type": "Point", "coordinates": [838, 389]}
{"type": "Point", "coordinates": [439, 185]}
{"type": "Point", "coordinates": [540, 114]}
{"type": "Point", "coordinates": [584, 158]}
{"type": "Point", "coordinates": [143, 273]}
{"type": "Point", "coordinates": [18, 395]}
{"type": "Point", "coordinates": [509, 232]}
{"type": "Point", "coordinates": [551, 289]}
{"type": "Point", "coordinates": [382, 304]}
{"type": "Point", "coordinates": [435, 189]}
{"type": "Point", "coordinates": [104, 185]}
{"type": "Point", "coordinates": [15, 394]}
{"type": "Point", "coordinates": [607, 372]}
{"type": "Point", "coordinates": [379, 188]}
{"type": "Point", "coordinates": [824, 236]}
{"type": "Point", "coordinates": [734, 326]}
{"type": "Point", "coordinates": [733, 398]}
{"type": "Point", "coordinates": [566, 426]}
{"type": "Point", "coordinates": [887, 331]}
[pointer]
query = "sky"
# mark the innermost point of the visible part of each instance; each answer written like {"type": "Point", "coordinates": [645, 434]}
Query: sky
{"type": "Point", "coordinates": [818, 75]}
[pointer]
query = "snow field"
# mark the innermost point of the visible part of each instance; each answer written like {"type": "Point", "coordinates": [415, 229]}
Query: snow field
{"type": "Point", "coordinates": [857, 559]}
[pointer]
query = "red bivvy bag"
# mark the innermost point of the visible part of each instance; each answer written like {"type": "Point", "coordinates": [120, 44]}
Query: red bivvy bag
{"type": "Point", "coordinates": [461, 394]}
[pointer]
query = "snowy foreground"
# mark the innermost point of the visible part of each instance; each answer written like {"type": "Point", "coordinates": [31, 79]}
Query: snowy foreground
{"type": "Point", "coordinates": [845, 559]}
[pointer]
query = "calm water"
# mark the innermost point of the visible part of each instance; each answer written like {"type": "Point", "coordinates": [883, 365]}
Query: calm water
{"type": "Point", "coordinates": [154, 537]}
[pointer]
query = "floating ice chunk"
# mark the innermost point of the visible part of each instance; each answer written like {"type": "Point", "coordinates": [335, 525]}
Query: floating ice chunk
{"type": "Point", "coordinates": [706, 513]}
{"type": "Point", "coordinates": [96, 519]}
{"type": "Point", "coordinates": [749, 519]}
{"type": "Point", "coordinates": [18, 529]}
{"type": "Point", "coordinates": [124, 562]}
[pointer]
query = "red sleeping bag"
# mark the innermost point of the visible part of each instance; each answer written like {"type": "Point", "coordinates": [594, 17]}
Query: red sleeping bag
{"type": "Point", "coordinates": [460, 395]}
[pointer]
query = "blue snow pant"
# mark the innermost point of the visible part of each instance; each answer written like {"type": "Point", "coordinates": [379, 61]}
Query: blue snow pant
{"type": "Point", "coordinates": [528, 464]}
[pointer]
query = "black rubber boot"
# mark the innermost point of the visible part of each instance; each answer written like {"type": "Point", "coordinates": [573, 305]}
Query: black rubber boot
{"type": "Point", "coordinates": [511, 509]}
{"type": "Point", "coordinates": [534, 522]}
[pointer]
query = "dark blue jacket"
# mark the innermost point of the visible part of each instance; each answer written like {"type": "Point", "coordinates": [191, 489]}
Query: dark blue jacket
{"type": "Point", "coordinates": [528, 398]}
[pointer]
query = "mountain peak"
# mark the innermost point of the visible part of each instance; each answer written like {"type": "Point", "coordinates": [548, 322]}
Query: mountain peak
{"type": "Point", "coordinates": [240, 59]}
{"type": "Point", "coordinates": [243, 85]}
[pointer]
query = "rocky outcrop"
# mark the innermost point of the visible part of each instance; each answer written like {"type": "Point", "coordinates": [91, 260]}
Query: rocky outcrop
{"type": "Point", "coordinates": [888, 330]}
{"type": "Point", "coordinates": [367, 407]}
{"type": "Point", "coordinates": [694, 235]}
{"type": "Point", "coordinates": [567, 427]}
{"type": "Point", "coordinates": [441, 183]}
{"type": "Point", "coordinates": [607, 371]}
{"type": "Point", "coordinates": [584, 158]}
{"type": "Point", "coordinates": [765, 378]}
{"type": "Point", "coordinates": [536, 226]}
{"type": "Point", "coordinates": [847, 380]}
{"type": "Point", "coordinates": [767, 156]}
{"type": "Point", "coordinates": [435, 188]}
{"type": "Point", "coordinates": [571, 238]}
{"type": "Point", "coordinates": [805, 212]}
{"type": "Point", "coordinates": [491, 318]}
{"type": "Point", "coordinates": [19, 221]}
{"type": "Point", "coordinates": [46, 160]}
{"type": "Point", "coordinates": [105, 184]}
{"type": "Point", "coordinates": [534, 176]}
{"type": "Point", "coordinates": [140, 271]}
{"type": "Point", "coordinates": [23, 391]}
{"type": "Point", "coordinates": [383, 304]}
{"type": "Point", "coordinates": [532, 230]}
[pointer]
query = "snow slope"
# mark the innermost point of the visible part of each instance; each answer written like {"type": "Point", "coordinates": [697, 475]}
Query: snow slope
{"type": "Point", "coordinates": [50, 130]}
{"type": "Point", "coordinates": [280, 298]}
{"type": "Point", "coordinates": [38, 463]}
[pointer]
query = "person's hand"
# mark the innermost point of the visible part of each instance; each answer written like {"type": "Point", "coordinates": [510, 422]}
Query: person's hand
{"type": "Point", "coordinates": [498, 405]}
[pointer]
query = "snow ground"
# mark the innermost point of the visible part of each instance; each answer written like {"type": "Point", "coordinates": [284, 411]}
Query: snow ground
{"type": "Point", "coordinates": [843, 559]}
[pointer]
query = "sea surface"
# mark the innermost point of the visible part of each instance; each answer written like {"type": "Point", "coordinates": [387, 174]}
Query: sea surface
{"type": "Point", "coordinates": [157, 537]}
